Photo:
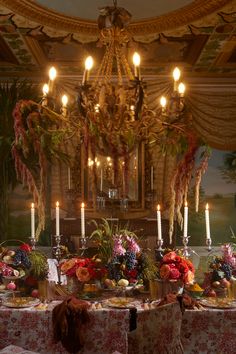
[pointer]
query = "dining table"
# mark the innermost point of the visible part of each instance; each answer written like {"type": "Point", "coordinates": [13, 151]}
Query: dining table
{"type": "Point", "coordinates": [205, 330]}
{"type": "Point", "coordinates": [107, 332]}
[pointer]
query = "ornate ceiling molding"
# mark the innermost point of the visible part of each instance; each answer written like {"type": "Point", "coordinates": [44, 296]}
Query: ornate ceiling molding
{"type": "Point", "coordinates": [190, 13]}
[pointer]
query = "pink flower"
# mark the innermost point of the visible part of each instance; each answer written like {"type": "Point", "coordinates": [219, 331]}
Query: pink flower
{"type": "Point", "coordinates": [132, 245]}
{"type": "Point", "coordinates": [174, 273]}
{"type": "Point", "coordinates": [118, 249]}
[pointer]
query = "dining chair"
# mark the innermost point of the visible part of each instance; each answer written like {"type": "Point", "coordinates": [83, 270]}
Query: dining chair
{"type": "Point", "coordinates": [158, 331]}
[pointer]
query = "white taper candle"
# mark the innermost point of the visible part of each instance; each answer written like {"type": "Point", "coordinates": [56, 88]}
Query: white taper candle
{"type": "Point", "coordinates": [57, 219]}
{"type": "Point", "coordinates": [159, 232]}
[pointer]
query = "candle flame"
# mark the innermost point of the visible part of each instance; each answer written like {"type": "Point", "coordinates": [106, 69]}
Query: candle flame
{"type": "Point", "coordinates": [82, 205]}
{"type": "Point", "coordinates": [57, 204]}
{"type": "Point", "coordinates": [207, 206]}
{"type": "Point", "coordinates": [158, 207]}
{"type": "Point", "coordinates": [32, 205]}
{"type": "Point", "coordinates": [186, 204]}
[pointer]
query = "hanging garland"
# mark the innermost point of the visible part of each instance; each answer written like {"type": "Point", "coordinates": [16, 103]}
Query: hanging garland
{"type": "Point", "coordinates": [37, 143]}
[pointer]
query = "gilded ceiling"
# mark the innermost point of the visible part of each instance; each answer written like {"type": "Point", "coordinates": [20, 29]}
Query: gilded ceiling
{"type": "Point", "coordinates": [199, 36]}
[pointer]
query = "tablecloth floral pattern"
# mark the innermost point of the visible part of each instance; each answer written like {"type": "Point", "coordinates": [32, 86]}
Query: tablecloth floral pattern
{"type": "Point", "coordinates": [32, 329]}
{"type": "Point", "coordinates": [209, 331]}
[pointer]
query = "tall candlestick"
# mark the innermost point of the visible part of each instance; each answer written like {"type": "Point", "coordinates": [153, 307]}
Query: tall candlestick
{"type": "Point", "coordinates": [101, 181]}
{"type": "Point", "coordinates": [159, 232]}
{"type": "Point", "coordinates": [185, 220]}
{"type": "Point", "coordinates": [32, 221]}
{"type": "Point", "coordinates": [57, 219]}
{"type": "Point", "coordinates": [82, 222]}
{"type": "Point", "coordinates": [207, 218]}
{"type": "Point", "coordinates": [152, 178]}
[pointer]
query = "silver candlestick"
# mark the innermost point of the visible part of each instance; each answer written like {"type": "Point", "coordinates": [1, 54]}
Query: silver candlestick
{"type": "Point", "coordinates": [32, 242]}
{"type": "Point", "coordinates": [83, 245]}
{"type": "Point", "coordinates": [208, 243]}
{"type": "Point", "coordinates": [186, 250]}
{"type": "Point", "coordinates": [57, 254]}
{"type": "Point", "coordinates": [159, 250]}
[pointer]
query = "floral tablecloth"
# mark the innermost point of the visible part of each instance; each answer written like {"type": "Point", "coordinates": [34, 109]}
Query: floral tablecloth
{"type": "Point", "coordinates": [209, 331]}
{"type": "Point", "coordinates": [107, 333]}
{"type": "Point", "coordinates": [32, 329]}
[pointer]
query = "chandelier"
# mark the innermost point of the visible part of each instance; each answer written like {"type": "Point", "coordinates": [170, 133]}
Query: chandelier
{"type": "Point", "coordinates": [110, 113]}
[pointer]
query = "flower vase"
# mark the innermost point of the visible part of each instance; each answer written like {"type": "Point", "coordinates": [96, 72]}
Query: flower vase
{"type": "Point", "coordinates": [43, 289]}
{"type": "Point", "coordinates": [160, 288]}
{"type": "Point", "coordinates": [74, 285]}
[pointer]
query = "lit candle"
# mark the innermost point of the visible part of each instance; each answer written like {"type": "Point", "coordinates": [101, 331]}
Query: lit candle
{"type": "Point", "coordinates": [57, 219]}
{"type": "Point", "coordinates": [88, 66]}
{"type": "Point", "coordinates": [101, 181]}
{"type": "Point", "coordinates": [64, 101]}
{"type": "Point", "coordinates": [159, 233]}
{"type": "Point", "coordinates": [82, 221]}
{"type": "Point", "coordinates": [52, 75]}
{"type": "Point", "coordinates": [176, 76]}
{"type": "Point", "coordinates": [208, 234]}
{"type": "Point", "coordinates": [136, 61]}
{"type": "Point", "coordinates": [152, 178]}
{"type": "Point", "coordinates": [32, 221]}
{"type": "Point", "coordinates": [186, 219]}
{"type": "Point", "coordinates": [69, 178]}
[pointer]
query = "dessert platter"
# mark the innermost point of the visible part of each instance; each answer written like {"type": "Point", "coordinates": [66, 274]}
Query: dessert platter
{"type": "Point", "coordinates": [218, 303]}
{"type": "Point", "coordinates": [20, 302]}
{"type": "Point", "coordinates": [120, 302]}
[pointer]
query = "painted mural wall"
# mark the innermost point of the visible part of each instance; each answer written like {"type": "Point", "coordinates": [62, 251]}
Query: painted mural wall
{"type": "Point", "coordinates": [218, 189]}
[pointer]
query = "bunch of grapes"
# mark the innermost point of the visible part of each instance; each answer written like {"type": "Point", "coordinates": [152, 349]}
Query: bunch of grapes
{"type": "Point", "coordinates": [227, 269]}
{"type": "Point", "coordinates": [21, 258]}
{"type": "Point", "coordinates": [114, 271]}
{"type": "Point", "coordinates": [130, 260]}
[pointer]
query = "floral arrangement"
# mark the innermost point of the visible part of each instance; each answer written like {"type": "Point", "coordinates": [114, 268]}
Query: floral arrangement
{"type": "Point", "coordinates": [176, 267]}
{"type": "Point", "coordinates": [221, 269]}
{"type": "Point", "coordinates": [23, 261]}
{"type": "Point", "coordinates": [121, 254]}
{"type": "Point", "coordinates": [84, 269]}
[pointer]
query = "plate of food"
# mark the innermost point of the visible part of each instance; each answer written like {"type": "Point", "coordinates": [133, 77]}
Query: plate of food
{"type": "Point", "coordinates": [121, 302]}
{"type": "Point", "coordinates": [218, 303]}
{"type": "Point", "coordinates": [20, 301]}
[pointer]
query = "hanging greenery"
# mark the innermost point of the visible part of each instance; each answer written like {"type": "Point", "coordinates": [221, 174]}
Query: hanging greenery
{"type": "Point", "coordinates": [37, 144]}
{"type": "Point", "coordinates": [10, 93]}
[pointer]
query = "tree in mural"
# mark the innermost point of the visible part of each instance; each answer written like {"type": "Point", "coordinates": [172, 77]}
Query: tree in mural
{"type": "Point", "coordinates": [228, 170]}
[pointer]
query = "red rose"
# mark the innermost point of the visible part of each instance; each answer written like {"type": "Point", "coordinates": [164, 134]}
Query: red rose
{"type": "Point", "coordinates": [25, 247]}
{"type": "Point", "coordinates": [169, 257]}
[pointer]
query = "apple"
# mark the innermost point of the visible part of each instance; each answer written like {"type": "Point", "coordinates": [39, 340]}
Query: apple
{"type": "Point", "coordinates": [35, 293]}
{"type": "Point", "coordinates": [211, 293]}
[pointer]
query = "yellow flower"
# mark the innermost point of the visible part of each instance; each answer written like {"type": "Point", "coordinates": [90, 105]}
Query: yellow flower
{"type": "Point", "coordinates": [67, 265]}
{"type": "Point", "coordinates": [82, 274]}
